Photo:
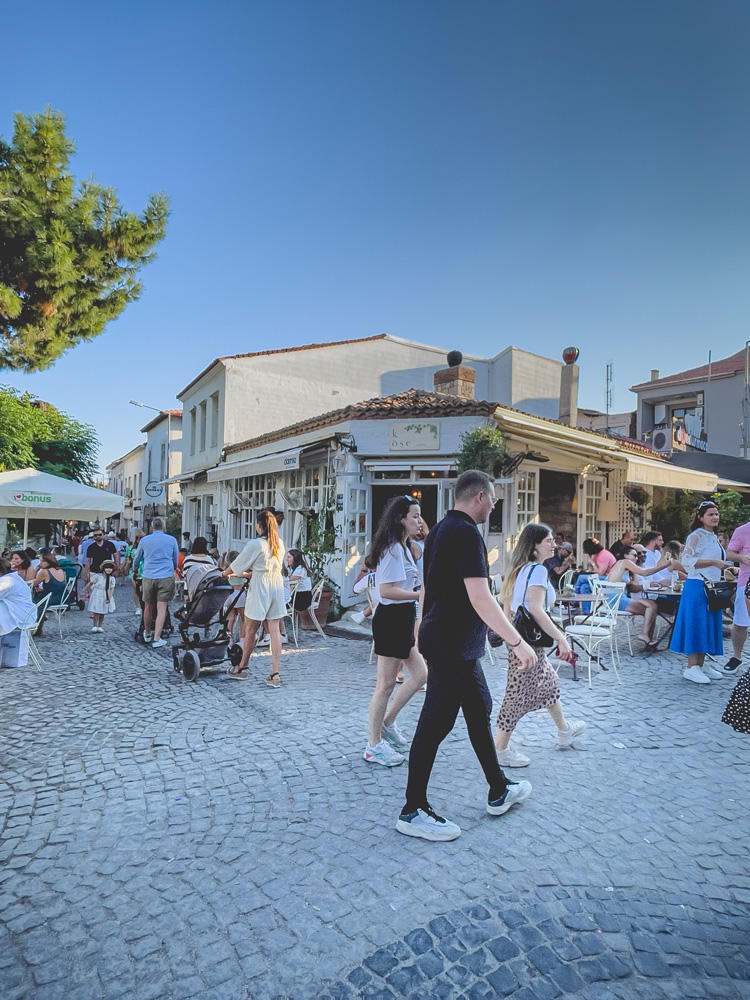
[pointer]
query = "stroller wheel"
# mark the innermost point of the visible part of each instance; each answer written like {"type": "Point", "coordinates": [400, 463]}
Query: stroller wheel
{"type": "Point", "coordinates": [191, 665]}
{"type": "Point", "coordinates": [138, 636]}
{"type": "Point", "coordinates": [177, 655]}
{"type": "Point", "coordinates": [80, 605]}
{"type": "Point", "coordinates": [235, 655]}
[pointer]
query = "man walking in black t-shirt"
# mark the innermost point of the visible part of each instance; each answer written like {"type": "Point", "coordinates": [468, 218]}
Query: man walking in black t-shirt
{"type": "Point", "coordinates": [458, 607]}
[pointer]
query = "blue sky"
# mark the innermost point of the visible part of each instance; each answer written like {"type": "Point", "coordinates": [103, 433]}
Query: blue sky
{"type": "Point", "coordinates": [470, 173]}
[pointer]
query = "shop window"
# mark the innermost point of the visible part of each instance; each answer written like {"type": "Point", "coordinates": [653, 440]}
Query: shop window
{"type": "Point", "coordinates": [527, 499]}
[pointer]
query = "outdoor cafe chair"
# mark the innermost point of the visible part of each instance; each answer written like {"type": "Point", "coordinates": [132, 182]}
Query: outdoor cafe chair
{"type": "Point", "coordinates": [598, 629]}
{"type": "Point", "coordinates": [30, 624]}
{"type": "Point", "coordinates": [59, 609]}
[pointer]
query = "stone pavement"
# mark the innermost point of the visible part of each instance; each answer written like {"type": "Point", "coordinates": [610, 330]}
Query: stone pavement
{"type": "Point", "coordinates": [162, 839]}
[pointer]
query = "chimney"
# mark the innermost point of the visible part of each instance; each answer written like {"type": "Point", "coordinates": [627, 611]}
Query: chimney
{"type": "Point", "coordinates": [456, 380]}
{"type": "Point", "coordinates": [654, 374]}
{"type": "Point", "coordinates": [568, 412]}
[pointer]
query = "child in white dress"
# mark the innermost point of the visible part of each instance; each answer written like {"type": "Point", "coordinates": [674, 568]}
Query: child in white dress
{"type": "Point", "coordinates": [102, 594]}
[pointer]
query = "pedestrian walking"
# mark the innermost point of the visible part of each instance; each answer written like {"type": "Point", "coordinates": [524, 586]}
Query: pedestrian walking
{"type": "Point", "coordinates": [527, 585]}
{"type": "Point", "coordinates": [738, 551]}
{"type": "Point", "coordinates": [697, 629]}
{"type": "Point", "coordinates": [397, 585]}
{"type": "Point", "coordinates": [159, 553]}
{"type": "Point", "coordinates": [458, 608]}
{"type": "Point", "coordinates": [260, 561]}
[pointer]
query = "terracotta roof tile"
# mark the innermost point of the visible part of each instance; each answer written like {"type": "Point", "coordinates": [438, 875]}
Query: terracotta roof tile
{"type": "Point", "coordinates": [411, 402]}
{"type": "Point", "coordinates": [725, 366]}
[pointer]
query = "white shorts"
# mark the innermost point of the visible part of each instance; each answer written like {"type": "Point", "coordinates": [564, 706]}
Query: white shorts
{"type": "Point", "coordinates": [739, 615]}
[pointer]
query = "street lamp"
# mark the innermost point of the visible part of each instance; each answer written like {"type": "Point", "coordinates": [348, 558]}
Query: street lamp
{"type": "Point", "coordinates": [156, 409]}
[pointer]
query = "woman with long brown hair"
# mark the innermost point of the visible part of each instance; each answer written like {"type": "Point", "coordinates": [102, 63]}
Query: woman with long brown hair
{"type": "Point", "coordinates": [261, 561]}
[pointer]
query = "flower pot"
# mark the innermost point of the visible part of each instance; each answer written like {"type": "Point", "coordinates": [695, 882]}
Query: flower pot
{"type": "Point", "coordinates": [306, 622]}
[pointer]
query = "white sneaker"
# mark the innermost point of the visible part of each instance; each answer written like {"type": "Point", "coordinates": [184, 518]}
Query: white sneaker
{"type": "Point", "coordinates": [94, 628]}
{"type": "Point", "coordinates": [265, 641]}
{"type": "Point", "coordinates": [566, 736]}
{"type": "Point", "coordinates": [428, 825]}
{"type": "Point", "coordinates": [158, 643]}
{"type": "Point", "coordinates": [393, 736]}
{"type": "Point", "coordinates": [148, 636]}
{"type": "Point", "coordinates": [510, 757]}
{"type": "Point", "coordinates": [138, 614]}
{"type": "Point", "coordinates": [516, 791]}
{"type": "Point", "coordinates": [383, 754]}
{"type": "Point", "coordinates": [358, 617]}
{"type": "Point", "coordinates": [696, 675]}
{"type": "Point", "coordinates": [712, 672]}
{"type": "Point", "coordinates": [284, 640]}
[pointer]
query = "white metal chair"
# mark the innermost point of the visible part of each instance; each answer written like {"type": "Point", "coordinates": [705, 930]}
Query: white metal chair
{"type": "Point", "coordinates": [315, 604]}
{"type": "Point", "coordinates": [301, 600]}
{"type": "Point", "coordinates": [599, 628]}
{"type": "Point", "coordinates": [566, 580]}
{"type": "Point", "coordinates": [58, 610]}
{"type": "Point", "coordinates": [30, 624]}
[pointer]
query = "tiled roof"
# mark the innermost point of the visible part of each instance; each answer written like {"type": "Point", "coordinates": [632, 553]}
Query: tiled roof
{"type": "Point", "coordinates": [725, 366]}
{"type": "Point", "coordinates": [410, 403]}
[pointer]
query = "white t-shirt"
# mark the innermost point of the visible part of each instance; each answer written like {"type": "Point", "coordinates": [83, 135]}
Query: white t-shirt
{"type": "Point", "coordinates": [537, 577]}
{"type": "Point", "coordinates": [397, 566]}
{"type": "Point", "coordinates": [301, 577]}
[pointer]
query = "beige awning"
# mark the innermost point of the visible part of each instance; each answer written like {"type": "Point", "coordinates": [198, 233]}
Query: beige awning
{"type": "Point", "coordinates": [651, 472]}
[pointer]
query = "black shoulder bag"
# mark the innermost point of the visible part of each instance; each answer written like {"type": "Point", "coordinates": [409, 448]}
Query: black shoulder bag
{"type": "Point", "coordinates": [719, 594]}
{"type": "Point", "coordinates": [527, 626]}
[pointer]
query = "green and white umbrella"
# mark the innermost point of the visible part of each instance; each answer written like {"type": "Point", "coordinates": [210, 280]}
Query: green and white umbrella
{"type": "Point", "coordinates": [29, 493]}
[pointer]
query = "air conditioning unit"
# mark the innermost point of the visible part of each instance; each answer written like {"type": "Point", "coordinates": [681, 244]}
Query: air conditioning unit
{"type": "Point", "coordinates": [661, 440]}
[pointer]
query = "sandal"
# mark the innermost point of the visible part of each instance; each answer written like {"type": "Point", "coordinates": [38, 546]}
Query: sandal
{"type": "Point", "coordinates": [237, 675]}
{"type": "Point", "coordinates": [273, 680]}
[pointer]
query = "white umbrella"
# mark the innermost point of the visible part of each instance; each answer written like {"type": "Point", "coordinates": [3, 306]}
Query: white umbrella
{"type": "Point", "coordinates": [39, 494]}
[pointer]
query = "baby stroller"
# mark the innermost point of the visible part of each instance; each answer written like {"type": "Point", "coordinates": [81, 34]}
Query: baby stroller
{"type": "Point", "coordinates": [205, 639]}
{"type": "Point", "coordinates": [168, 627]}
{"type": "Point", "coordinates": [72, 572]}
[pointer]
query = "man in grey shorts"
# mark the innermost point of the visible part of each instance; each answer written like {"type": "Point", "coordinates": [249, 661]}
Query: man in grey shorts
{"type": "Point", "coordinates": [159, 553]}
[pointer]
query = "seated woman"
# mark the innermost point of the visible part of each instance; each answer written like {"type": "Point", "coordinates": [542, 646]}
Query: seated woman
{"type": "Point", "coordinates": [626, 570]}
{"type": "Point", "coordinates": [21, 564]}
{"type": "Point", "coordinates": [50, 579]}
{"type": "Point", "coordinates": [15, 599]}
{"type": "Point", "coordinates": [600, 559]}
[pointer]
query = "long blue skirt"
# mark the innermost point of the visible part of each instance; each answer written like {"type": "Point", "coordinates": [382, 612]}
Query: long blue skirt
{"type": "Point", "coordinates": [696, 629]}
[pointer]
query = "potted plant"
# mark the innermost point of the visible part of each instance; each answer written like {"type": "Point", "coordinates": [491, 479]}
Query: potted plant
{"type": "Point", "coordinates": [320, 552]}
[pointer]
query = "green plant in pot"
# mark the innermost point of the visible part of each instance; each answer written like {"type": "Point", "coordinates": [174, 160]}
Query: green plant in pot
{"type": "Point", "coordinates": [320, 551]}
{"type": "Point", "coordinates": [483, 448]}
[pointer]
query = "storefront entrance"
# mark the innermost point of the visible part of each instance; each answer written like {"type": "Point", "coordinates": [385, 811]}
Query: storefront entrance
{"type": "Point", "coordinates": [557, 493]}
{"type": "Point", "coordinates": [426, 495]}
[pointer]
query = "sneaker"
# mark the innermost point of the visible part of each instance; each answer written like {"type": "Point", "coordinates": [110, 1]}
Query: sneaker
{"type": "Point", "coordinates": [358, 617]}
{"type": "Point", "coordinates": [94, 628]}
{"type": "Point", "coordinates": [284, 640]}
{"type": "Point", "coordinates": [273, 681]}
{"type": "Point", "coordinates": [730, 667]}
{"type": "Point", "coordinates": [148, 636]}
{"type": "Point", "coordinates": [516, 791]}
{"type": "Point", "coordinates": [158, 643]}
{"type": "Point", "coordinates": [383, 754]}
{"type": "Point", "coordinates": [428, 825]}
{"type": "Point", "coordinates": [566, 736]}
{"type": "Point", "coordinates": [712, 672]}
{"type": "Point", "coordinates": [138, 614]}
{"type": "Point", "coordinates": [394, 736]}
{"type": "Point", "coordinates": [696, 675]}
{"type": "Point", "coordinates": [510, 757]}
{"type": "Point", "coordinates": [265, 641]}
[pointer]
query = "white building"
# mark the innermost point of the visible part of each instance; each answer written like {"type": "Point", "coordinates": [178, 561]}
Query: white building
{"type": "Point", "coordinates": [125, 477]}
{"type": "Point", "coordinates": [247, 396]}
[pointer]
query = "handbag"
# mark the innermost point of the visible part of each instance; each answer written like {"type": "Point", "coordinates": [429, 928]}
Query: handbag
{"type": "Point", "coordinates": [719, 595]}
{"type": "Point", "coordinates": [527, 626]}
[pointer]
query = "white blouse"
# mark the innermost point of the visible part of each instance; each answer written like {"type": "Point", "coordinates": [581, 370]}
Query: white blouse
{"type": "Point", "coordinates": [702, 544]}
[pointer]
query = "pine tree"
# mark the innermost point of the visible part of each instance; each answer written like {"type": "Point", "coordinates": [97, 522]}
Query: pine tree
{"type": "Point", "coordinates": [69, 259]}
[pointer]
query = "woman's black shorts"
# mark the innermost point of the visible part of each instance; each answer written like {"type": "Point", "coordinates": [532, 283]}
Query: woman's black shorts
{"type": "Point", "coordinates": [393, 629]}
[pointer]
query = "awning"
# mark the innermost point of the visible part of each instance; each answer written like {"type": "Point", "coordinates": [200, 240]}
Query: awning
{"type": "Point", "coordinates": [281, 461]}
{"type": "Point", "coordinates": [651, 472]}
{"type": "Point", "coordinates": [733, 484]}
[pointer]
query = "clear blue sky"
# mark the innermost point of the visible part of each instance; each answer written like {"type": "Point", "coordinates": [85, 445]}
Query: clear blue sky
{"type": "Point", "coordinates": [467, 173]}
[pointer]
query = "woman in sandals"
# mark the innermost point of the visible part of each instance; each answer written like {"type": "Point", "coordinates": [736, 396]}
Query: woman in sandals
{"type": "Point", "coordinates": [397, 585]}
{"type": "Point", "coordinates": [261, 561]}
{"type": "Point", "coordinates": [527, 583]}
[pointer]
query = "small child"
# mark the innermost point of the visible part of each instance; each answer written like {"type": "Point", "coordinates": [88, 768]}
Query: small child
{"type": "Point", "coordinates": [102, 599]}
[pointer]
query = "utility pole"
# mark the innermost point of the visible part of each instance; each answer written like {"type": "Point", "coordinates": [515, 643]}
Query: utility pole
{"type": "Point", "coordinates": [608, 391]}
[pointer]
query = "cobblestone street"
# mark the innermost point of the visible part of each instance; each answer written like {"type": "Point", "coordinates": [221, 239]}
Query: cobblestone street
{"type": "Point", "coordinates": [221, 839]}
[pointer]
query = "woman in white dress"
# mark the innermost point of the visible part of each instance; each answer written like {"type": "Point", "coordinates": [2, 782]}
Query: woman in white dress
{"type": "Point", "coordinates": [260, 562]}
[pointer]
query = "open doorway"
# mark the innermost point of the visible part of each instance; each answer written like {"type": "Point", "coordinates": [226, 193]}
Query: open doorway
{"type": "Point", "coordinates": [557, 491]}
{"type": "Point", "coordinates": [425, 495]}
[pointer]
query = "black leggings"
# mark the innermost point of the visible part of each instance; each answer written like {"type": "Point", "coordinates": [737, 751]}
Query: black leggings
{"type": "Point", "coordinates": [450, 687]}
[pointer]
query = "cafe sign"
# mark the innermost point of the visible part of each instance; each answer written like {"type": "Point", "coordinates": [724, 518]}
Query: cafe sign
{"type": "Point", "coordinates": [414, 435]}
{"type": "Point", "coordinates": [36, 499]}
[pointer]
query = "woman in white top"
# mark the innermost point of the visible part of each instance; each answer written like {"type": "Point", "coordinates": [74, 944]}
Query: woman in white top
{"type": "Point", "coordinates": [527, 583]}
{"type": "Point", "coordinates": [15, 599]}
{"type": "Point", "coordinates": [397, 586]}
{"type": "Point", "coordinates": [697, 630]}
{"type": "Point", "coordinates": [260, 562]}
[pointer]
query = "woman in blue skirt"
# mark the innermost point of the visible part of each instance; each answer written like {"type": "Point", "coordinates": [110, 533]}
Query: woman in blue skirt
{"type": "Point", "coordinates": [697, 630]}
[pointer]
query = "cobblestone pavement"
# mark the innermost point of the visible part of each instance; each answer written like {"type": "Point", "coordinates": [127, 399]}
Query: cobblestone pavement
{"type": "Point", "coordinates": [221, 839]}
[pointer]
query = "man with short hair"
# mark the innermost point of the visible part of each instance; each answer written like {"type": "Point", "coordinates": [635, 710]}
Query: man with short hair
{"type": "Point", "coordinates": [626, 540]}
{"type": "Point", "coordinates": [96, 552]}
{"type": "Point", "coordinates": [186, 543]}
{"type": "Point", "coordinates": [458, 607]}
{"type": "Point", "coordinates": [159, 553]}
{"type": "Point", "coordinates": [738, 551]}
{"type": "Point", "coordinates": [560, 563]}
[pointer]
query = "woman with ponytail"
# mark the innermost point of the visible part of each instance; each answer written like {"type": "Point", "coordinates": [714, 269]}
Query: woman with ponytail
{"type": "Point", "coordinates": [261, 561]}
